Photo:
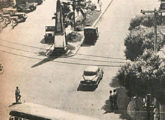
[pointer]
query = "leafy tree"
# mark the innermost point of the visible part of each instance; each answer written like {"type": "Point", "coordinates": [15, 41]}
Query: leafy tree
{"type": "Point", "coordinates": [140, 39]}
{"type": "Point", "coordinates": [146, 75]}
{"type": "Point", "coordinates": [145, 20]}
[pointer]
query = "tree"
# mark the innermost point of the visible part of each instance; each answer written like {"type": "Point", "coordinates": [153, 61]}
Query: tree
{"type": "Point", "coordinates": [140, 39]}
{"type": "Point", "coordinates": [146, 75]}
{"type": "Point", "coordinates": [144, 20]}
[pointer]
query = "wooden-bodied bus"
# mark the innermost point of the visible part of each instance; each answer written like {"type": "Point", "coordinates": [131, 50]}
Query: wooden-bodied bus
{"type": "Point", "coordinates": [30, 111]}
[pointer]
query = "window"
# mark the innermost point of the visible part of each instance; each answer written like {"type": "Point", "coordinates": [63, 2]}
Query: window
{"type": "Point", "coordinates": [89, 73]}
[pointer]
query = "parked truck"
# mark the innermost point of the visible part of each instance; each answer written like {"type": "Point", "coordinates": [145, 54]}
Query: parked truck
{"type": "Point", "coordinates": [90, 35]}
{"type": "Point", "coordinates": [49, 34]}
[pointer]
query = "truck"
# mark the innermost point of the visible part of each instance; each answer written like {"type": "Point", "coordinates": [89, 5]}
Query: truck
{"type": "Point", "coordinates": [90, 35]}
{"type": "Point", "coordinates": [49, 34]}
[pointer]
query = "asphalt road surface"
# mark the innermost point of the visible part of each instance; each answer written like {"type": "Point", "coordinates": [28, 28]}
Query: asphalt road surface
{"type": "Point", "coordinates": [54, 82]}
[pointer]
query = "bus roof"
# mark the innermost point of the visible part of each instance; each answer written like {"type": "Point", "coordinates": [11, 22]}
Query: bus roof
{"type": "Point", "coordinates": [44, 113]}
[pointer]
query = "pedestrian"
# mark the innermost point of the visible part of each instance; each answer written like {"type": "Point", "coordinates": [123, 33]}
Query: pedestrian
{"type": "Point", "coordinates": [17, 95]}
{"type": "Point", "coordinates": [115, 94]}
{"type": "Point", "coordinates": [111, 101]}
{"type": "Point", "coordinates": [156, 113]}
{"type": "Point", "coordinates": [100, 4]}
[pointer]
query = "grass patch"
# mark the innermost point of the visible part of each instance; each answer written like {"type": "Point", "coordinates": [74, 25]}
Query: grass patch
{"type": "Point", "coordinates": [91, 17]}
{"type": "Point", "coordinates": [74, 37]}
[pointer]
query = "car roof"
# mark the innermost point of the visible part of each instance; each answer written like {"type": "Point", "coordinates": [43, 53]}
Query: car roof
{"type": "Point", "coordinates": [91, 69]}
{"type": "Point", "coordinates": [45, 112]}
{"type": "Point", "coordinates": [19, 13]}
{"type": "Point", "coordinates": [90, 27]}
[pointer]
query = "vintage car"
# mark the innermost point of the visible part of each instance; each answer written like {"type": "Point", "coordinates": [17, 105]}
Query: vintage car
{"type": "Point", "coordinates": [18, 18]}
{"type": "Point", "coordinates": [90, 35]}
{"type": "Point", "coordinates": [26, 7]}
{"type": "Point", "coordinates": [1, 17]}
{"type": "Point", "coordinates": [162, 6]}
{"type": "Point", "coordinates": [7, 19]}
{"type": "Point", "coordinates": [9, 10]}
{"type": "Point", "coordinates": [92, 76]}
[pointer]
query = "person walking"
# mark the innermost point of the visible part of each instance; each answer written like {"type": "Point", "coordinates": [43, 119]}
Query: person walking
{"type": "Point", "coordinates": [156, 113]}
{"type": "Point", "coordinates": [17, 95]}
{"type": "Point", "coordinates": [111, 101]}
{"type": "Point", "coordinates": [100, 4]}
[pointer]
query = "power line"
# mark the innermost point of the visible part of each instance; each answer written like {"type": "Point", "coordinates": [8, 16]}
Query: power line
{"type": "Point", "coordinates": [68, 57]}
{"type": "Point", "coordinates": [49, 59]}
{"type": "Point", "coordinates": [21, 44]}
{"type": "Point", "coordinates": [100, 56]}
{"type": "Point", "coordinates": [47, 49]}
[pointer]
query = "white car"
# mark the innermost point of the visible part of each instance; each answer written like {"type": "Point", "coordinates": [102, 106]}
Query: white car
{"type": "Point", "coordinates": [92, 76]}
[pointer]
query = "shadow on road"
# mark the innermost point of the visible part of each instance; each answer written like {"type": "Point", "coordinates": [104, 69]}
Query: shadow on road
{"type": "Point", "coordinates": [49, 42]}
{"type": "Point", "coordinates": [86, 88]}
{"type": "Point", "coordinates": [51, 57]}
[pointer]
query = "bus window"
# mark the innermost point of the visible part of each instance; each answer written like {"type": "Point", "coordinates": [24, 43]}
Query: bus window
{"type": "Point", "coordinates": [17, 118]}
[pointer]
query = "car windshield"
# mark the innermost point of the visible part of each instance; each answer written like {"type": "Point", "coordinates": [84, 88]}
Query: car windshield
{"type": "Point", "coordinates": [89, 73]}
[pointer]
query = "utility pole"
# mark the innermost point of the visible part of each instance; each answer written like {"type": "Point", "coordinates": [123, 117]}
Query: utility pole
{"type": "Point", "coordinates": [155, 25]}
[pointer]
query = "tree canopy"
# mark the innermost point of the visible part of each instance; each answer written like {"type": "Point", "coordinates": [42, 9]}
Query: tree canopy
{"type": "Point", "coordinates": [146, 75]}
{"type": "Point", "coordinates": [139, 39]}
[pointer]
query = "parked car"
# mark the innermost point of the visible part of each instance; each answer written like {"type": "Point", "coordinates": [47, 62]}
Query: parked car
{"type": "Point", "coordinates": [7, 19]}
{"type": "Point", "coordinates": [18, 18]}
{"type": "Point", "coordinates": [39, 2]}
{"type": "Point", "coordinates": [91, 34]}
{"type": "Point", "coordinates": [9, 10]}
{"type": "Point", "coordinates": [92, 76]}
{"type": "Point", "coordinates": [1, 17]}
{"type": "Point", "coordinates": [162, 6]}
{"type": "Point", "coordinates": [26, 7]}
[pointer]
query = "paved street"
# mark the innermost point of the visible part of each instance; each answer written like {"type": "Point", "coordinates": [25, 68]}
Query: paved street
{"type": "Point", "coordinates": [54, 82]}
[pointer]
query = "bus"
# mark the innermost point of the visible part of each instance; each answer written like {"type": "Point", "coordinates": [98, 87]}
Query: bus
{"type": "Point", "coordinates": [31, 111]}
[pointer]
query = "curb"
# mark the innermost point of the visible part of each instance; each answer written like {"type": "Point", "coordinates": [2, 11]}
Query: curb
{"type": "Point", "coordinates": [94, 24]}
{"type": "Point", "coordinates": [77, 48]}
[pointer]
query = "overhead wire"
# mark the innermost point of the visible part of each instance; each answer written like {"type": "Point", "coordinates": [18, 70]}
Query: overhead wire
{"type": "Point", "coordinates": [74, 63]}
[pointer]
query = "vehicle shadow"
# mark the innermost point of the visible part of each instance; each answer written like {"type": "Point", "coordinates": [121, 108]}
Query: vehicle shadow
{"type": "Point", "coordinates": [84, 44]}
{"type": "Point", "coordinates": [46, 42]}
{"type": "Point", "coordinates": [87, 88]}
{"type": "Point", "coordinates": [51, 57]}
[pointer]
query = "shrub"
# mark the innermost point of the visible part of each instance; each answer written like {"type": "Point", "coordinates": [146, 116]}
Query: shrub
{"type": "Point", "coordinates": [73, 37]}
{"type": "Point", "coordinates": [135, 22]}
